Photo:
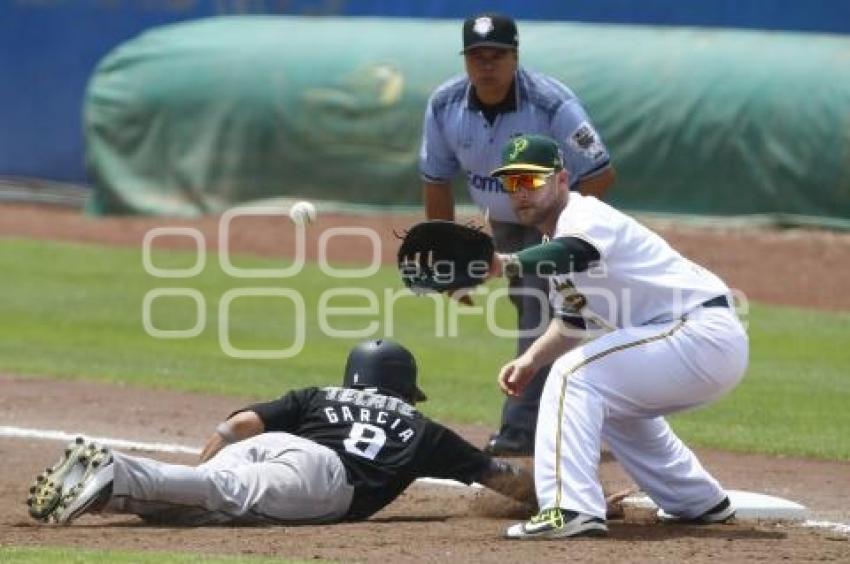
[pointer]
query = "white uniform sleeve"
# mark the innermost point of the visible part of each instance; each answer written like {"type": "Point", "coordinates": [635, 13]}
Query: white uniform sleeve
{"type": "Point", "coordinates": [584, 151]}
{"type": "Point", "coordinates": [437, 161]}
{"type": "Point", "coordinates": [588, 222]}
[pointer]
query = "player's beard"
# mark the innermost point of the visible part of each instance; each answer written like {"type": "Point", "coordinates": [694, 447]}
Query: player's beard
{"type": "Point", "coordinates": [530, 215]}
{"type": "Point", "coordinates": [540, 210]}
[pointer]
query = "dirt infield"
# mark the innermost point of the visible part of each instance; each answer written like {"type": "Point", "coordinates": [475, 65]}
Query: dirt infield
{"type": "Point", "coordinates": [804, 268]}
{"type": "Point", "coordinates": [425, 524]}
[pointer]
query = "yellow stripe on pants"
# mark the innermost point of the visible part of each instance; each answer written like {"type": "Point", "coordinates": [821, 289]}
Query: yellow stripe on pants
{"type": "Point", "coordinates": [563, 392]}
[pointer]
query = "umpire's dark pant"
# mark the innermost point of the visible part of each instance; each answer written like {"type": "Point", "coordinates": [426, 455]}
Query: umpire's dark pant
{"type": "Point", "coordinates": [519, 414]}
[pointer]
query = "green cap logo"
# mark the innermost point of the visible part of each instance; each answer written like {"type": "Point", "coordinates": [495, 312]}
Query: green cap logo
{"type": "Point", "coordinates": [520, 144]}
{"type": "Point", "coordinates": [530, 153]}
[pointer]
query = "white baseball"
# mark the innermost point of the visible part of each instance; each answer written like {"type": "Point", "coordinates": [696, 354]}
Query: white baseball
{"type": "Point", "coordinates": [302, 213]}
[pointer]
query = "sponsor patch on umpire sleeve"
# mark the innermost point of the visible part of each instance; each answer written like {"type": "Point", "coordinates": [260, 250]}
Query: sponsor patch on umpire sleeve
{"type": "Point", "coordinates": [585, 141]}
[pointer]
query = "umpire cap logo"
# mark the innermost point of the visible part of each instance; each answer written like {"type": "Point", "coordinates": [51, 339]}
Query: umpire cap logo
{"type": "Point", "coordinates": [483, 26]}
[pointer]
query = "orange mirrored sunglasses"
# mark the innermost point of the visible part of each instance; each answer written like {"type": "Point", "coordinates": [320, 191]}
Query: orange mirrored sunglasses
{"type": "Point", "coordinates": [526, 181]}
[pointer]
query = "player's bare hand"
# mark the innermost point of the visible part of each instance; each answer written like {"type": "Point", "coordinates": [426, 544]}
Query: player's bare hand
{"type": "Point", "coordinates": [515, 375]}
{"type": "Point", "coordinates": [614, 502]}
{"type": "Point", "coordinates": [214, 444]}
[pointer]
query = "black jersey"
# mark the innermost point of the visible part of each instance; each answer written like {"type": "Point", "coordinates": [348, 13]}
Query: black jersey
{"type": "Point", "coordinates": [384, 443]}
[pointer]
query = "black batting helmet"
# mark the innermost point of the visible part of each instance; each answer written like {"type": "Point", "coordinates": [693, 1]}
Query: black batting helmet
{"type": "Point", "coordinates": [384, 365]}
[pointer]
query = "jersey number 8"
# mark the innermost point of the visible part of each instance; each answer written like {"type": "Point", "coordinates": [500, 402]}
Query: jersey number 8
{"type": "Point", "coordinates": [365, 440]}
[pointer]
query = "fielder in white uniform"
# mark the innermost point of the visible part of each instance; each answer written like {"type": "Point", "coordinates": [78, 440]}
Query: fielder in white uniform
{"type": "Point", "coordinates": [667, 339]}
{"type": "Point", "coordinates": [467, 121]}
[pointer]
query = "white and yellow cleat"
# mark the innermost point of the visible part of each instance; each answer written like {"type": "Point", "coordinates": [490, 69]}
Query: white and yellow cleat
{"type": "Point", "coordinates": [69, 488]}
{"type": "Point", "coordinates": [557, 523]}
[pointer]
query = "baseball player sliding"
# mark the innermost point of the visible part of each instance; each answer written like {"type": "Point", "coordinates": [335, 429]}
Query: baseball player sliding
{"type": "Point", "coordinates": [316, 455]}
{"type": "Point", "coordinates": [671, 342]}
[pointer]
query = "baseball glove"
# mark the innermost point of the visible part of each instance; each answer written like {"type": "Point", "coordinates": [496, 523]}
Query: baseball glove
{"type": "Point", "coordinates": [442, 256]}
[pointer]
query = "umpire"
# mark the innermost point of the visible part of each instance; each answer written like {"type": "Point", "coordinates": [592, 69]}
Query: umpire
{"type": "Point", "coordinates": [467, 122]}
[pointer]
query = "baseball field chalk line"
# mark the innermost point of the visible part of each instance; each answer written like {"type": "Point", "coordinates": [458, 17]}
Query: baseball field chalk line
{"type": "Point", "coordinates": [839, 528]}
{"type": "Point", "coordinates": [53, 435]}
{"type": "Point", "coordinates": [48, 435]}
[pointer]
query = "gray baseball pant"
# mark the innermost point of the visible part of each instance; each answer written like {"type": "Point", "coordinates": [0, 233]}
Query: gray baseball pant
{"type": "Point", "coordinates": [269, 478]}
{"type": "Point", "coordinates": [529, 294]}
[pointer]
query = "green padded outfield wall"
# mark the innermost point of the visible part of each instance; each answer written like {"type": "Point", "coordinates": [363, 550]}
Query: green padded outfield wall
{"type": "Point", "coordinates": [191, 118]}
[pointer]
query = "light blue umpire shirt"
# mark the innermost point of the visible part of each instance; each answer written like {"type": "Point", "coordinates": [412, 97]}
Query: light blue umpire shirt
{"type": "Point", "coordinates": [456, 136]}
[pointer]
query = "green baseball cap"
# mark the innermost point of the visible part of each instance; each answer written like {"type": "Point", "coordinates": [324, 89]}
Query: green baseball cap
{"type": "Point", "coordinates": [530, 153]}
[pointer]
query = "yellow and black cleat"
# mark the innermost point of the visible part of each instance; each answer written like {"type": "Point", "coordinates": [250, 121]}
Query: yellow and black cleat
{"type": "Point", "coordinates": [58, 481]}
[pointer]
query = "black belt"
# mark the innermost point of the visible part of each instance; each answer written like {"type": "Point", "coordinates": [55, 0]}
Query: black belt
{"type": "Point", "coordinates": [719, 301]}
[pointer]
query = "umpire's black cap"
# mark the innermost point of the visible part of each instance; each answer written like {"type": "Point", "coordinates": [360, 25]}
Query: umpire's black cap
{"type": "Point", "coordinates": [385, 365]}
{"type": "Point", "coordinates": [490, 30]}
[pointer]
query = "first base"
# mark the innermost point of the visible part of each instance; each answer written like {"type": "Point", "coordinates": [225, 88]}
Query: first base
{"type": "Point", "coordinates": [749, 506]}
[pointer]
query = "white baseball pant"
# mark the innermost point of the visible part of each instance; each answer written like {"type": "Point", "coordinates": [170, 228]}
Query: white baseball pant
{"type": "Point", "coordinates": [617, 388]}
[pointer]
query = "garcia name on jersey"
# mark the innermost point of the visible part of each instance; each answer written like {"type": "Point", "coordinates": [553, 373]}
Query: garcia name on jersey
{"type": "Point", "coordinates": [383, 442]}
{"type": "Point", "coordinates": [358, 406]}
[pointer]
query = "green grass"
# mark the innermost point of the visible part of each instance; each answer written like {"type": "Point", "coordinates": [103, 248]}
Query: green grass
{"type": "Point", "coordinates": [794, 398]}
{"type": "Point", "coordinates": [20, 555]}
{"type": "Point", "coordinates": [76, 311]}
